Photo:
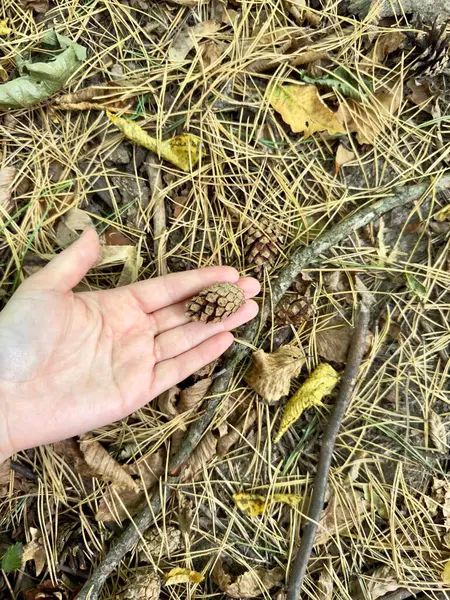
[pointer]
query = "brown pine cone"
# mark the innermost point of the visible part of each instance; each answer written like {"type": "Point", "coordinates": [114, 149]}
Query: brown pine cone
{"type": "Point", "coordinates": [431, 55]}
{"type": "Point", "coordinates": [261, 245]}
{"type": "Point", "coordinates": [294, 310]}
{"type": "Point", "coordinates": [215, 303]}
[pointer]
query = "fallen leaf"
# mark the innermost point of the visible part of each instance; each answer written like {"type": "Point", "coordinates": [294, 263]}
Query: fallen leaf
{"type": "Point", "coordinates": [179, 575]}
{"type": "Point", "coordinates": [440, 493]}
{"type": "Point", "coordinates": [39, 6]}
{"type": "Point", "coordinates": [97, 97]}
{"type": "Point", "coordinates": [186, 39]}
{"type": "Point", "coordinates": [343, 156]}
{"type": "Point", "coordinates": [302, 108]}
{"type": "Point", "coordinates": [118, 504]}
{"type": "Point", "coordinates": [211, 52]}
{"type": "Point", "coordinates": [7, 176]}
{"type": "Point", "coordinates": [446, 573]}
{"type": "Point", "coordinates": [158, 543]}
{"type": "Point", "coordinates": [343, 513]}
{"type": "Point", "coordinates": [340, 79]}
{"type": "Point", "coordinates": [333, 343]}
{"type": "Point", "coordinates": [4, 29]}
{"type": "Point", "coordinates": [300, 10]}
{"type": "Point", "coordinates": [183, 151]}
{"type": "Point", "coordinates": [237, 432]}
{"type": "Point", "coordinates": [305, 57]}
{"type": "Point", "coordinates": [438, 432]}
{"type": "Point", "coordinates": [12, 558]}
{"type": "Point", "coordinates": [192, 396]}
{"type": "Point", "coordinates": [114, 237]}
{"type": "Point", "coordinates": [3, 74]}
{"type": "Point", "coordinates": [47, 590]}
{"type": "Point", "coordinates": [377, 584]}
{"type": "Point", "coordinates": [167, 402]}
{"type": "Point", "coordinates": [385, 44]}
{"type": "Point", "coordinates": [270, 375]}
{"type": "Point", "coordinates": [256, 504]}
{"type": "Point", "coordinates": [35, 551]}
{"type": "Point", "coordinates": [128, 255]}
{"type": "Point", "coordinates": [104, 465]}
{"type": "Point", "coordinates": [70, 226]}
{"type": "Point", "coordinates": [203, 453]}
{"type": "Point", "coordinates": [319, 384]}
{"type": "Point", "coordinates": [414, 285]}
{"type": "Point", "coordinates": [250, 584]}
{"type": "Point", "coordinates": [39, 80]}
{"type": "Point", "coordinates": [142, 585]}
{"type": "Point", "coordinates": [5, 477]}
{"type": "Point", "coordinates": [370, 120]}
{"type": "Point", "coordinates": [421, 95]}
{"type": "Point", "coordinates": [442, 215]}
{"type": "Point", "coordinates": [325, 585]}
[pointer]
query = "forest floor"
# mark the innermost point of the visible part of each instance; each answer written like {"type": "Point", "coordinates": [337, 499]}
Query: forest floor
{"type": "Point", "coordinates": [306, 111]}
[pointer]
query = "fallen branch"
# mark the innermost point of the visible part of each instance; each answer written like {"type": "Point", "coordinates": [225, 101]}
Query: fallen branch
{"type": "Point", "coordinates": [159, 213]}
{"type": "Point", "coordinates": [298, 261]}
{"type": "Point", "coordinates": [347, 386]}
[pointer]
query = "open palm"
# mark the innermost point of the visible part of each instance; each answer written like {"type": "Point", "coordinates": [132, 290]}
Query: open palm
{"type": "Point", "coordinates": [70, 362]}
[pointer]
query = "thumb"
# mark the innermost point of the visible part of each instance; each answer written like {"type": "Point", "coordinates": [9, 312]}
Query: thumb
{"type": "Point", "coordinates": [69, 267]}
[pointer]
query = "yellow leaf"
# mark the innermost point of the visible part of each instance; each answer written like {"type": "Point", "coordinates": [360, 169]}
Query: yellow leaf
{"type": "Point", "coordinates": [4, 29]}
{"type": "Point", "coordinates": [443, 214]}
{"type": "Point", "coordinates": [446, 573]}
{"type": "Point", "coordinates": [182, 151]}
{"type": "Point", "coordinates": [179, 575]}
{"type": "Point", "coordinates": [301, 107]}
{"type": "Point", "coordinates": [256, 504]}
{"type": "Point", "coordinates": [318, 385]}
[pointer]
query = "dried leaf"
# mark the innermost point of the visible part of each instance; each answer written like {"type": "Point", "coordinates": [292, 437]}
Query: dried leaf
{"type": "Point", "coordinates": [302, 108]}
{"type": "Point", "coordinates": [142, 585]}
{"type": "Point", "coordinates": [4, 29]}
{"type": "Point", "coordinates": [39, 80]}
{"type": "Point", "coordinates": [333, 343]}
{"type": "Point", "coordinates": [35, 550]}
{"type": "Point", "coordinates": [193, 396]}
{"type": "Point", "coordinates": [104, 465]}
{"type": "Point", "coordinates": [179, 575]}
{"type": "Point", "coordinates": [186, 39]}
{"type": "Point", "coordinates": [270, 375]}
{"type": "Point", "coordinates": [421, 95]}
{"type": "Point", "coordinates": [242, 426]}
{"type": "Point", "coordinates": [158, 543]}
{"type": "Point", "coordinates": [47, 590]}
{"type": "Point", "coordinates": [38, 6]}
{"type": "Point", "coordinates": [343, 156]}
{"type": "Point", "coordinates": [114, 237]}
{"type": "Point", "coordinates": [128, 255]}
{"type": "Point", "coordinates": [167, 402]}
{"type": "Point", "coordinates": [3, 74]}
{"type": "Point", "coordinates": [256, 504]}
{"type": "Point", "coordinates": [7, 176]}
{"type": "Point", "coordinates": [71, 224]}
{"type": "Point", "coordinates": [118, 504]}
{"type": "Point", "coordinates": [325, 585]}
{"type": "Point", "coordinates": [183, 151]}
{"type": "Point", "coordinates": [446, 573]}
{"type": "Point", "coordinates": [385, 44]}
{"type": "Point", "coordinates": [319, 384]}
{"type": "Point", "coordinates": [203, 453]}
{"type": "Point", "coordinates": [438, 432]}
{"type": "Point", "coordinates": [250, 584]}
{"type": "Point", "coordinates": [342, 514]}
{"type": "Point", "coordinates": [97, 97]}
{"type": "Point", "coordinates": [441, 494]}
{"type": "Point", "coordinates": [378, 584]}
{"type": "Point", "coordinates": [5, 477]}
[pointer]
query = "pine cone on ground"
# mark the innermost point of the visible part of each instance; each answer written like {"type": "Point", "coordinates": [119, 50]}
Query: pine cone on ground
{"type": "Point", "coordinates": [261, 245]}
{"type": "Point", "coordinates": [215, 303]}
{"type": "Point", "coordinates": [294, 310]}
{"type": "Point", "coordinates": [431, 56]}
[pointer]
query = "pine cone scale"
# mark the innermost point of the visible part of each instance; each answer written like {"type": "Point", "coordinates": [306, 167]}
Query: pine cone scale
{"type": "Point", "coordinates": [215, 303]}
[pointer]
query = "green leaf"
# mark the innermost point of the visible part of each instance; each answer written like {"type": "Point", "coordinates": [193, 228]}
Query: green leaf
{"type": "Point", "coordinates": [42, 78]}
{"type": "Point", "coordinates": [415, 286]}
{"type": "Point", "coordinates": [341, 79]}
{"type": "Point", "coordinates": [12, 559]}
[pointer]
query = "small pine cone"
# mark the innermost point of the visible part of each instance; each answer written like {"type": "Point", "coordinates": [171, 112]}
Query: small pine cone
{"type": "Point", "coordinates": [294, 310]}
{"type": "Point", "coordinates": [431, 55]}
{"type": "Point", "coordinates": [261, 245]}
{"type": "Point", "coordinates": [215, 303]}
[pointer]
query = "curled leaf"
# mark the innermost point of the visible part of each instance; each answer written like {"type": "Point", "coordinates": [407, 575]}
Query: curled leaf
{"type": "Point", "coordinates": [319, 384]}
{"type": "Point", "coordinates": [179, 575]}
{"type": "Point", "coordinates": [250, 584]}
{"type": "Point", "coordinates": [302, 108]}
{"type": "Point", "coordinates": [96, 97]}
{"type": "Point", "coordinates": [256, 504]}
{"type": "Point", "coordinates": [193, 395]}
{"type": "Point", "coordinates": [183, 151]}
{"type": "Point", "coordinates": [270, 375]}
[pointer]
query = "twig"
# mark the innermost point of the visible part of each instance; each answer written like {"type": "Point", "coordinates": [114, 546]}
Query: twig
{"type": "Point", "coordinates": [298, 261]}
{"type": "Point", "coordinates": [159, 213]}
{"type": "Point", "coordinates": [348, 383]}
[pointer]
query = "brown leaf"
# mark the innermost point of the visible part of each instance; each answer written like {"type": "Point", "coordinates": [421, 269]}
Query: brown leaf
{"type": "Point", "coordinates": [193, 396]}
{"type": "Point", "coordinates": [142, 585]}
{"type": "Point", "coordinates": [270, 375]}
{"type": "Point", "coordinates": [385, 44]}
{"type": "Point", "coordinates": [71, 224]}
{"type": "Point", "coordinates": [39, 6]}
{"type": "Point", "coordinates": [47, 590]}
{"type": "Point", "coordinates": [167, 402]}
{"type": "Point", "coordinates": [203, 453]}
{"type": "Point", "coordinates": [377, 584]}
{"type": "Point", "coordinates": [104, 465]}
{"type": "Point", "coordinates": [97, 97]}
{"type": "Point", "coordinates": [333, 343]}
{"type": "Point", "coordinates": [440, 493]}
{"type": "Point", "coordinates": [325, 585]}
{"type": "Point", "coordinates": [158, 543]}
{"type": "Point", "coordinates": [421, 95]}
{"type": "Point", "coordinates": [343, 156]}
{"type": "Point", "coordinates": [114, 237]}
{"type": "Point", "coordinates": [250, 584]}
{"type": "Point", "coordinates": [438, 432]}
{"type": "Point", "coordinates": [342, 514]}
{"type": "Point", "coordinates": [7, 175]}
{"type": "Point", "coordinates": [5, 477]}
{"type": "Point", "coordinates": [118, 504]}
{"type": "Point", "coordinates": [239, 430]}
{"type": "Point", "coordinates": [211, 52]}
{"type": "Point", "coordinates": [35, 550]}
{"type": "Point", "coordinates": [186, 39]}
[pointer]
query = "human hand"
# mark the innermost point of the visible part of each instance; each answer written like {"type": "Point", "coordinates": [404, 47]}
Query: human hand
{"type": "Point", "coordinates": [71, 362]}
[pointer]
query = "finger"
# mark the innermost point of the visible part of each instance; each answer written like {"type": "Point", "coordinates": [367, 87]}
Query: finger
{"type": "Point", "coordinates": [159, 292]}
{"type": "Point", "coordinates": [69, 267]}
{"type": "Point", "coordinates": [173, 316]}
{"type": "Point", "coordinates": [181, 339]}
{"type": "Point", "coordinates": [170, 372]}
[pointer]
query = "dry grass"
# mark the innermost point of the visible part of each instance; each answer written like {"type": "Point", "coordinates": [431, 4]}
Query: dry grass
{"type": "Point", "coordinates": [255, 167]}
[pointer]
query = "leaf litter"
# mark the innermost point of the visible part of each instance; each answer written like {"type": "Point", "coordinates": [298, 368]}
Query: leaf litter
{"type": "Point", "coordinates": [379, 86]}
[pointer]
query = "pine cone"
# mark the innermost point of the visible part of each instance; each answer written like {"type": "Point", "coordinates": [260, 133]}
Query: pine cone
{"type": "Point", "coordinates": [432, 54]}
{"type": "Point", "coordinates": [294, 310]}
{"type": "Point", "coordinates": [261, 245]}
{"type": "Point", "coordinates": [215, 303]}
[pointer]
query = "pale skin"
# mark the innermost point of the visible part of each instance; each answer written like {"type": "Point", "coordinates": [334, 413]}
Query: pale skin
{"type": "Point", "coordinates": [71, 362]}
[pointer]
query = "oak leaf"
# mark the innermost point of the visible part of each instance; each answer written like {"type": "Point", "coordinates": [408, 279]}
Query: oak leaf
{"type": "Point", "coordinates": [250, 584]}
{"type": "Point", "coordinates": [319, 384]}
{"type": "Point", "coordinates": [180, 575]}
{"type": "Point", "coordinates": [270, 375]}
{"type": "Point", "coordinates": [256, 504]}
{"type": "Point", "coordinates": [302, 108]}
